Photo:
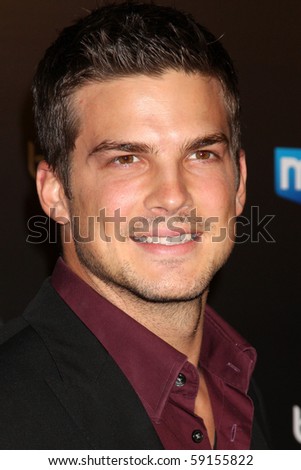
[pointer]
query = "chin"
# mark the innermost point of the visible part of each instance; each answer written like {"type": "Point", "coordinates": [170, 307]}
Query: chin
{"type": "Point", "coordinates": [165, 296]}
{"type": "Point", "coordinates": [168, 287]}
{"type": "Point", "coordinates": [162, 290]}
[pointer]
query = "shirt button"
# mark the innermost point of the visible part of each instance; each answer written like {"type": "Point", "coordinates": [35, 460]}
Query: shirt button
{"type": "Point", "coordinates": [197, 436]}
{"type": "Point", "coordinates": [181, 380]}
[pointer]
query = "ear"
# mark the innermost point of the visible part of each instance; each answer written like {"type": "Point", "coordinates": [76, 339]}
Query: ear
{"type": "Point", "coordinates": [51, 194]}
{"type": "Point", "coordinates": [241, 190]}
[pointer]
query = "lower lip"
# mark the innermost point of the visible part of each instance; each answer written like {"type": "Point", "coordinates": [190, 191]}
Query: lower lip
{"type": "Point", "coordinates": [169, 250]}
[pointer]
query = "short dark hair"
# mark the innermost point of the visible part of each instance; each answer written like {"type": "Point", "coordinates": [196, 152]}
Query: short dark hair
{"type": "Point", "coordinates": [119, 40]}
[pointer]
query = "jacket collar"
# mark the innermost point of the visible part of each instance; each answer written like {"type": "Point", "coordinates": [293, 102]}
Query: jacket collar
{"type": "Point", "coordinates": [87, 381]}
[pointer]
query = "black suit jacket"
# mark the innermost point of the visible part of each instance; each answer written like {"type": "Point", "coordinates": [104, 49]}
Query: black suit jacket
{"type": "Point", "coordinates": [60, 389]}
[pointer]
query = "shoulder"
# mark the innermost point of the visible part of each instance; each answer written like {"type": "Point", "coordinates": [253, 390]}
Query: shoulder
{"type": "Point", "coordinates": [46, 340]}
{"type": "Point", "coordinates": [21, 352]}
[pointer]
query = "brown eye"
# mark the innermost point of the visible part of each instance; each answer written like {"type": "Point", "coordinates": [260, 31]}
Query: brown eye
{"type": "Point", "coordinates": [201, 155]}
{"type": "Point", "coordinates": [126, 160]}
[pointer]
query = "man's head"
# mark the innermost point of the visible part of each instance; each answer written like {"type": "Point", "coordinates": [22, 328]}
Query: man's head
{"type": "Point", "coordinates": [137, 110]}
{"type": "Point", "coordinates": [119, 41]}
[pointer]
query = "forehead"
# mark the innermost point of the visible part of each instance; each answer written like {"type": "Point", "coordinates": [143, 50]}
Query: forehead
{"type": "Point", "coordinates": [173, 104]}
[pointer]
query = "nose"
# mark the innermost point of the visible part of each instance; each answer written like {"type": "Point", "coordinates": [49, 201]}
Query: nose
{"type": "Point", "coordinates": [169, 192]}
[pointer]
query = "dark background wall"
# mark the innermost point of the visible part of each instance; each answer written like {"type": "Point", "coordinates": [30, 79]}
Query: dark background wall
{"type": "Point", "coordinates": [258, 290]}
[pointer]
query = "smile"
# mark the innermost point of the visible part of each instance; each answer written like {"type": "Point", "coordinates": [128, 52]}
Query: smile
{"type": "Point", "coordinates": [178, 240]}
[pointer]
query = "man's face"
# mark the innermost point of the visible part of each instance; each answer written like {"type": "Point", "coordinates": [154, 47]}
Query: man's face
{"type": "Point", "coordinates": [156, 149]}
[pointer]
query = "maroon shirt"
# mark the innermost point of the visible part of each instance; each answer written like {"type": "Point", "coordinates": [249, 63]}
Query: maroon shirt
{"type": "Point", "coordinates": [162, 377]}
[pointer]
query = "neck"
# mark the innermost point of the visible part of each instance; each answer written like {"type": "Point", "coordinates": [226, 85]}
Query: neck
{"type": "Point", "coordinates": [178, 323]}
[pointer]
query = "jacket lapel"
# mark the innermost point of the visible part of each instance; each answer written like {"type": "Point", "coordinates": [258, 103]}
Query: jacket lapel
{"type": "Point", "coordinates": [88, 383]}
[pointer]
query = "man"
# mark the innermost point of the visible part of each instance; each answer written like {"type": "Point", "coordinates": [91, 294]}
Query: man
{"type": "Point", "coordinates": [137, 112]}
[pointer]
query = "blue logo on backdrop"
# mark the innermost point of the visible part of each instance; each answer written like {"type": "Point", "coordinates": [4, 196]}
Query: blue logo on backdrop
{"type": "Point", "coordinates": [288, 173]}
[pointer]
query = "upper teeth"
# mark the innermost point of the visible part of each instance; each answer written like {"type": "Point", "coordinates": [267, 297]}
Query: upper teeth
{"type": "Point", "coordinates": [185, 237]}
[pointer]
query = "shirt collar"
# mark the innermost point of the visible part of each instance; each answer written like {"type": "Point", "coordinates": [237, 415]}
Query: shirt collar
{"type": "Point", "coordinates": [150, 364]}
{"type": "Point", "coordinates": [136, 350]}
{"type": "Point", "coordinates": [226, 353]}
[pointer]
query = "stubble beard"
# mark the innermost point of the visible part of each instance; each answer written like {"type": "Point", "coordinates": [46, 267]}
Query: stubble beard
{"type": "Point", "coordinates": [125, 280]}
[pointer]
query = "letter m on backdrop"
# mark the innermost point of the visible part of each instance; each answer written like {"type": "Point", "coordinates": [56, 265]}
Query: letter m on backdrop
{"type": "Point", "coordinates": [288, 173]}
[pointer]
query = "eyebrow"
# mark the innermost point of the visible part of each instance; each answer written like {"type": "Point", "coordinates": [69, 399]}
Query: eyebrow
{"type": "Point", "coordinates": [108, 145]}
{"type": "Point", "coordinates": [140, 147]}
{"type": "Point", "coordinates": [206, 140]}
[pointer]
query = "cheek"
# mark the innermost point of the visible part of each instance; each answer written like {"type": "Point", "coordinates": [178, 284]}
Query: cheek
{"type": "Point", "coordinates": [216, 196]}
{"type": "Point", "coordinates": [121, 199]}
{"type": "Point", "coordinates": [111, 201]}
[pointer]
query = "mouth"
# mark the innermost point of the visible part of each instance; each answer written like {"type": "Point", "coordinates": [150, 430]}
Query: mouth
{"type": "Point", "coordinates": [167, 240]}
